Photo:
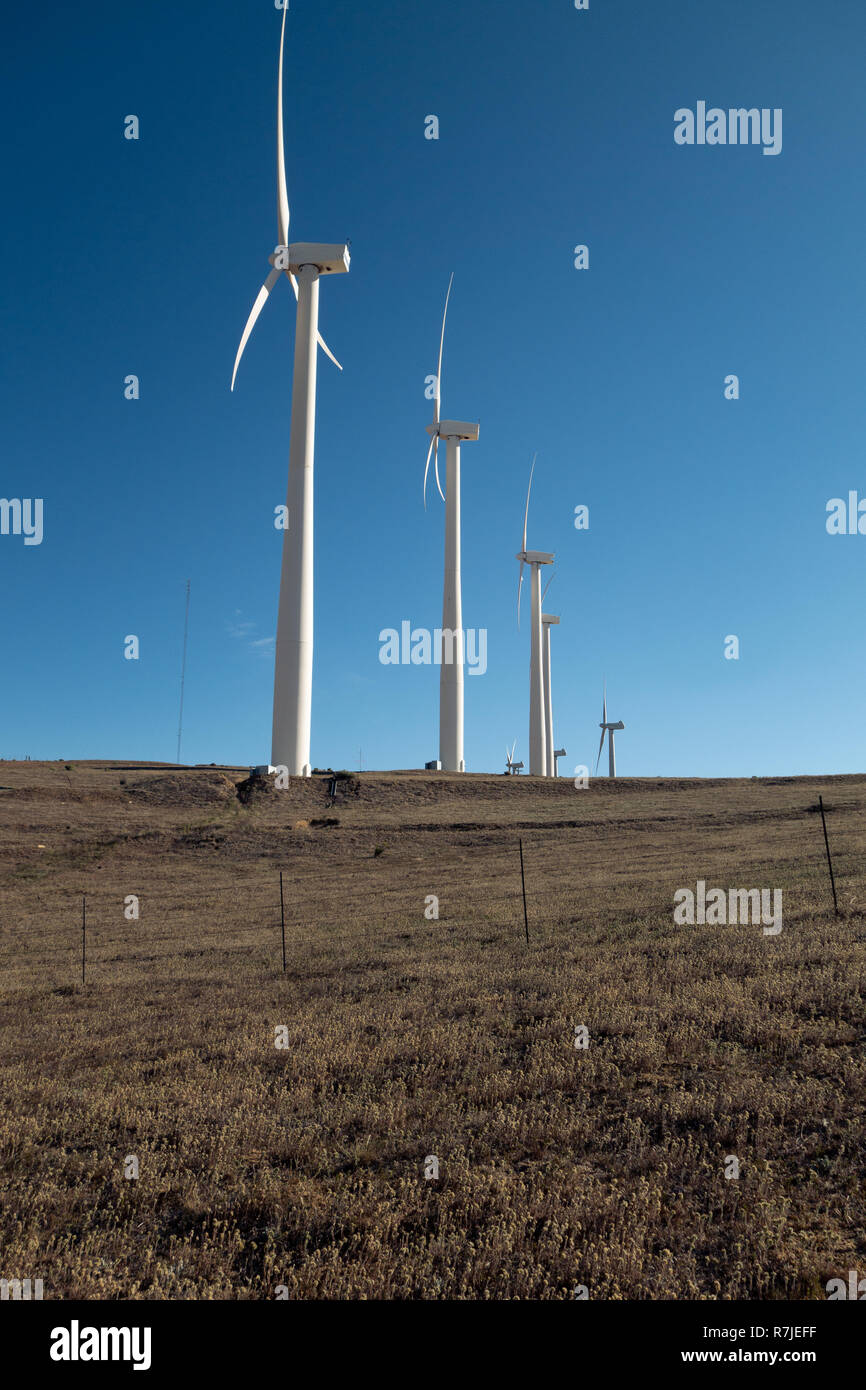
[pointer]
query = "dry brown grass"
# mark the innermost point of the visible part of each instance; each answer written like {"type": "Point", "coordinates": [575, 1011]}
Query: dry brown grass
{"type": "Point", "coordinates": [304, 1167]}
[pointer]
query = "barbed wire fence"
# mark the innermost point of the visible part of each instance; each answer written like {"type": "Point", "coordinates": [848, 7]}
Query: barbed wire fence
{"type": "Point", "coordinates": [263, 918]}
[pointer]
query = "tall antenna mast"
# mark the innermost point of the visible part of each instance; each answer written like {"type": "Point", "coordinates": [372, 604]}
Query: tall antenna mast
{"type": "Point", "coordinates": [183, 670]}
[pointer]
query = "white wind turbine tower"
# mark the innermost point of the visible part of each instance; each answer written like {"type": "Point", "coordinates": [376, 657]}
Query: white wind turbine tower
{"type": "Point", "coordinates": [454, 432]}
{"type": "Point", "coordinates": [607, 728]}
{"type": "Point", "coordinates": [548, 621]}
{"type": "Point", "coordinates": [535, 559]}
{"type": "Point", "coordinates": [303, 263]}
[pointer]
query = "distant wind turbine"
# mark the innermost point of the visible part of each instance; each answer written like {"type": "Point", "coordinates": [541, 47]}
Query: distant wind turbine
{"type": "Point", "coordinates": [302, 263]}
{"type": "Point", "coordinates": [607, 728]}
{"type": "Point", "coordinates": [454, 432]}
{"type": "Point", "coordinates": [510, 765]}
{"type": "Point", "coordinates": [535, 559]}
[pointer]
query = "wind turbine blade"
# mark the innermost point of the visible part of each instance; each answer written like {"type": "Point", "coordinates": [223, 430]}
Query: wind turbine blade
{"type": "Point", "coordinates": [604, 706]}
{"type": "Point", "coordinates": [282, 191]}
{"type": "Point", "coordinates": [436, 466]}
{"type": "Point", "coordinates": [600, 746]}
{"type": "Point", "coordinates": [320, 340]}
{"type": "Point", "coordinates": [254, 313]}
{"type": "Point", "coordinates": [327, 351]}
{"type": "Point", "coordinates": [427, 468]}
{"type": "Point", "coordinates": [528, 490]}
{"type": "Point", "coordinates": [546, 587]}
{"type": "Point", "coordinates": [519, 588]}
{"type": "Point", "coordinates": [438, 396]}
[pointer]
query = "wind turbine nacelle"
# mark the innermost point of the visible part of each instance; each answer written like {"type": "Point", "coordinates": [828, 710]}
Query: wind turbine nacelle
{"type": "Point", "coordinates": [327, 258]}
{"type": "Point", "coordinates": [455, 429]}
{"type": "Point", "coordinates": [560, 753]}
{"type": "Point", "coordinates": [535, 557]}
{"type": "Point", "coordinates": [549, 618]}
{"type": "Point", "coordinates": [620, 725]}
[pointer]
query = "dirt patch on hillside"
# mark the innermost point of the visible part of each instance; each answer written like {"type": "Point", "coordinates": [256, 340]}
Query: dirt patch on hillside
{"type": "Point", "coordinates": [184, 789]}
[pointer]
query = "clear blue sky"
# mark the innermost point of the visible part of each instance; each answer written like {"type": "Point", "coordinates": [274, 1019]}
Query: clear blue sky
{"type": "Point", "coordinates": [707, 516]}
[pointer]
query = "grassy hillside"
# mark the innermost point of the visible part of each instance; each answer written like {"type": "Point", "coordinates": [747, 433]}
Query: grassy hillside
{"type": "Point", "coordinates": [303, 1166]}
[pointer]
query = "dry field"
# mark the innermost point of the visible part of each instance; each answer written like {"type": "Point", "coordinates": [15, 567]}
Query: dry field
{"type": "Point", "coordinates": [303, 1166]}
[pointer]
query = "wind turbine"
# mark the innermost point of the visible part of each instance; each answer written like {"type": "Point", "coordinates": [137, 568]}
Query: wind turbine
{"type": "Point", "coordinates": [535, 559]}
{"type": "Point", "coordinates": [510, 765]}
{"type": "Point", "coordinates": [548, 621]}
{"type": "Point", "coordinates": [608, 729]}
{"type": "Point", "coordinates": [303, 263]}
{"type": "Point", "coordinates": [454, 432]}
